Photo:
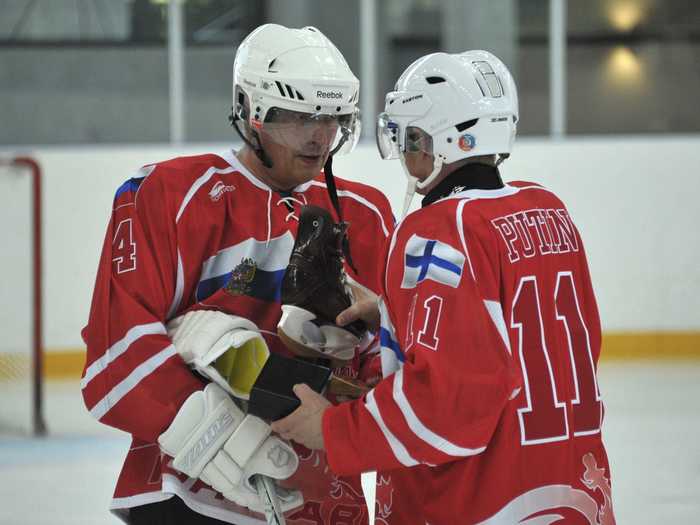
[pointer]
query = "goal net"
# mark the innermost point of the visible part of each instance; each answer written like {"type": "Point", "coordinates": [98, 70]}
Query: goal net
{"type": "Point", "coordinates": [20, 300]}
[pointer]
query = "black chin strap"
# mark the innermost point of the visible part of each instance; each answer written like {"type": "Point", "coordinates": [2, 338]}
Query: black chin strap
{"type": "Point", "coordinates": [328, 173]}
{"type": "Point", "coordinates": [333, 194]}
{"type": "Point", "coordinates": [330, 184]}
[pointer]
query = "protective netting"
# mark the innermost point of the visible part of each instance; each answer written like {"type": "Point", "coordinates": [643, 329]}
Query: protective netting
{"type": "Point", "coordinates": [18, 391]}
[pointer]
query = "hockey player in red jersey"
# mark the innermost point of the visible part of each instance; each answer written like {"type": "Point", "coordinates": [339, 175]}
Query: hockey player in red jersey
{"type": "Point", "coordinates": [194, 256]}
{"type": "Point", "coordinates": [490, 331]}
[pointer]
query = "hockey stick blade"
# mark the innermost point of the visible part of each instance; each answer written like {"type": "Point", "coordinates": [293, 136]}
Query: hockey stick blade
{"type": "Point", "coordinates": [266, 490]}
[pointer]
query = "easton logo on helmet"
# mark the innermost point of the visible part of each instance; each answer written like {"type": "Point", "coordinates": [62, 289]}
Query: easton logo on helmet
{"type": "Point", "coordinates": [412, 99]}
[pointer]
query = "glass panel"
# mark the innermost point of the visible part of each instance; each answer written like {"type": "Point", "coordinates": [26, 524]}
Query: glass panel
{"type": "Point", "coordinates": [61, 21]}
{"type": "Point", "coordinates": [213, 31]}
{"type": "Point", "coordinates": [515, 30]}
{"type": "Point", "coordinates": [532, 69]}
{"type": "Point", "coordinates": [633, 66]}
{"type": "Point", "coordinates": [83, 72]}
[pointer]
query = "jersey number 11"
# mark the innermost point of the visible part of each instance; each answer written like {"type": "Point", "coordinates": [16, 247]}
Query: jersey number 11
{"type": "Point", "coordinates": [546, 418]}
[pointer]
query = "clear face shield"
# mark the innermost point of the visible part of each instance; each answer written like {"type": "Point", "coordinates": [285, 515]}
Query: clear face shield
{"type": "Point", "coordinates": [417, 140]}
{"type": "Point", "coordinates": [395, 141]}
{"type": "Point", "coordinates": [311, 133]}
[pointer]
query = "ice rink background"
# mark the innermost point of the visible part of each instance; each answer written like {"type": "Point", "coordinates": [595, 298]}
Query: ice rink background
{"type": "Point", "coordinates": [652, 429]}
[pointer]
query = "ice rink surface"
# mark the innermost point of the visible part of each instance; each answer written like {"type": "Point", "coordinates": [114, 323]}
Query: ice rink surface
{"type": "Point", "coordinates": [652, 432]}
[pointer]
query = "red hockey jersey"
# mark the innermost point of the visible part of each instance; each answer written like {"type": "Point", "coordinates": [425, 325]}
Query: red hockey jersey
{"type": "Point", "coordinates": [490, 342]}
{"type": "Point", "coordinates": [203, 233]}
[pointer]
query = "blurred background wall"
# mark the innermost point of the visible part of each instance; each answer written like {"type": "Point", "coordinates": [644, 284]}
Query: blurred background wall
{"type": "Point", "coordinates": [96, 71]}
{"type": "Point", "coordinates": [609, 120]}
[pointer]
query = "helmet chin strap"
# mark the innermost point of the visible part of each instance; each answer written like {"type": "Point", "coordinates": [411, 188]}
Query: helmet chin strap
{"type": "Point", "coordinates": [333, 194]}
{"type": "Point", "coordinates": [414, 183]}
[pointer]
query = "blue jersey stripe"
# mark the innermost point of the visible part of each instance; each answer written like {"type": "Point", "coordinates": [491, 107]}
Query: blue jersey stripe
{"type": "Point", "coordinates": [130, 185]}
{"type": "Point", "coordinates": [386, 341]}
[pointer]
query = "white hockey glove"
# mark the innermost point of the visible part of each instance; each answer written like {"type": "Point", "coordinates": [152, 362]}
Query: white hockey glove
{"type": "Point", "coordinates": [213, 440]}
{"type": "Point", "coordinates": [227, 349]}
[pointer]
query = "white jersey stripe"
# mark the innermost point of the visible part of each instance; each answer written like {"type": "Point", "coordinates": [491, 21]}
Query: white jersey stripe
{"type": "Point", "coordinates": [179, 287]}
{"type": "Point", "coordinates": [475, 194]}
{"type": "Point", "coordinates": [495, 310]}
{"type": "Point", "coordinates": [358, 198]}
{"type": "Point", "coordinates": [144, 172]}
{"type": "Point", "coordinates": [134, 378]}
{"type": "Point", "coordinates": [138, 500]}
{"type": "Point", "coordinates": [397, 447]}
{"type": "Point", "coordinates": [392, 245]}
{"type": "Point", "coordinates": [229, 157]}
{"type": "Point", "coordinates": [207, 502]}
{"type": "Point", "coordinates": [198, 184]}
{"type": "Point", "coordinates": [134, 334]}
{"type": "Point", "coordinates": [460, 227]}
{"type": "Point", "coordinates": [506, 191]}
{"type": "Point", "coordinates": [271, 256]}
{"type": "Point", "coordinates": [420, 430]}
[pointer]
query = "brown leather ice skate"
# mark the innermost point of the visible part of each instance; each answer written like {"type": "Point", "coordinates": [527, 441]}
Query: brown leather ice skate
{"type": "Point", "coordinates": [315, 291]}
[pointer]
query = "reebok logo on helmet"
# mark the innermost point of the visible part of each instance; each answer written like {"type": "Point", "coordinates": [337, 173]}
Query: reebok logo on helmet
{"type": "Point", "coordinates": [329, 94]}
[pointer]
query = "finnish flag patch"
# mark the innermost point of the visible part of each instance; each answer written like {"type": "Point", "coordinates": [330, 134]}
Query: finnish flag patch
{"type": "Point", "coordinates": [431, 259]}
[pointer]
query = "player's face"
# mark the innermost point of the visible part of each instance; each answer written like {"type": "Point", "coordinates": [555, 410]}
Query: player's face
{"type": "Point", "coordinates": [298, 145]}
{"type": "Point", "coordinates": [419, 165]}
{"type": "Point", "coordinates": [291, 167]}
{"type": "Point", "coordinates": [417, 154]}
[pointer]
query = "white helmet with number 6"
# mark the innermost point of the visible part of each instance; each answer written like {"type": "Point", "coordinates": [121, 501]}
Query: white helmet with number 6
{"type": "Point", "coordinates": [451, 106]}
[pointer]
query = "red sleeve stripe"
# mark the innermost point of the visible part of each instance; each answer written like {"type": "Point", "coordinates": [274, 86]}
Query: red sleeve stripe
{"type": "Point", "coordinates": [131, 381]}
{"type": "Point", "coordinates": [134, 334]}
{"type": "Point", "coordinates": [420, 430]}
{"type": "Point", "coordinates": [398, 448]}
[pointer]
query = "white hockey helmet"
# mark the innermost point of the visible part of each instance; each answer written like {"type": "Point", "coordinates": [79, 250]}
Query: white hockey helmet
{"type": "Point", "coordinates": [298, 72]}
{"type": "Point", "coordinates": [452, 106]}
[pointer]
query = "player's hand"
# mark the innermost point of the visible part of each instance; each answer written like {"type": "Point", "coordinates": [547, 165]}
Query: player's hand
{"type": "Point", "coordinates": [305, 424]}
{"type": "Point", "coordinates": [365, 307]}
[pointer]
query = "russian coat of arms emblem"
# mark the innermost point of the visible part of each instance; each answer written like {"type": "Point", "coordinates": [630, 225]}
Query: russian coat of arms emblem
{"type": "Point", "coordinates": [241, 277]}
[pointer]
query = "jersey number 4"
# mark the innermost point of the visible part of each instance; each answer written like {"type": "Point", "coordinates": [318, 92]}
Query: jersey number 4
{"type": "Point", "coordinates": [124, 248]}
{"type": "Point", "coordinates": [546, 417]}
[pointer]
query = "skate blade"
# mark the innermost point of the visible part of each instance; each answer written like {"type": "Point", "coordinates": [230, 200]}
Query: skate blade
{"type": "Point", "coordinates": [344, 386]}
